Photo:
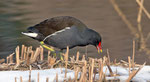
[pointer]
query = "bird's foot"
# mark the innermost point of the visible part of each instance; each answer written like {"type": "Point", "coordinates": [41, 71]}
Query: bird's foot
{"type": "Point", "coordinates": [61, 56]}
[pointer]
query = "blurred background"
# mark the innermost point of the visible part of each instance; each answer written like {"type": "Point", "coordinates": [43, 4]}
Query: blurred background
{"type": "Point", "coordinates": [17, 15]}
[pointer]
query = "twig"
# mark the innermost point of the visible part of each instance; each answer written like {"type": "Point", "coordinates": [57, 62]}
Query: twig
{"type": "Point", "coordinates": [140, 13]}
{"type": "Point", "coordinates": [143, 8]}
{"type": "Point", "coordinates": [134, 73]}
{"type": "Point", "coordinates": [121, 14]}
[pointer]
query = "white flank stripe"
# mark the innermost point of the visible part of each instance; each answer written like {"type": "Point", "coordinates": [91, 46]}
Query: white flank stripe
{"type": "Point", "coordinates": [30, 34]}
{"type": "Point", "coordinates": [55, 33]}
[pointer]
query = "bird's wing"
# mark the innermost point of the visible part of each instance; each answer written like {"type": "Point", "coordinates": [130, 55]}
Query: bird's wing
{"type": "Point", "coordinates": [69, 36]}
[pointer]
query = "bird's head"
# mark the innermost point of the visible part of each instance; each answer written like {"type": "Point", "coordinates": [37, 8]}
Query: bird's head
{"type": "Point", "coordinates": [96, 40]}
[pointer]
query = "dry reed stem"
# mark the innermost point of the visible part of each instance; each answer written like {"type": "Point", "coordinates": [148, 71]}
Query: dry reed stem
{"type": "Point", "coordinates": [48, 57]}
{"type": "Point", "coordinates": [21, 79]}
{"type": "Point", "coordinates": [133, 55]}
{"type": "Point", "coordinates": [47, 79]}
{"type": "Point", "coordinates": [134, 72]}
{"type": "Point", "coordinates": [140, 12]}
{"type": "Point", "coordinates": [17, 56]}
{"type": "Point", "coordinates": [100, 70]}
{"type": "Point", "coordinates": [30, 73]}
{"type": "Point", "coordinates": [11, 58]}
{"type": "Point", "coordinates": [65, 72]}
{"type": "Point", "coordinates": [32, 54]}
{"type": "Point", "coordinates": [142, 40]}
{"type": "Point", "coordinates": [41, 53]}
{"type": "Point", "coordinates": [2, 60]}
{"type": "Point", "coordinates": [37, 52]}
{"type": "Point", "coordinates": [15, 79]}
{"type": "Point", "coordinates": [76, 73]}
{"type": "Point", "coordinates": [143, 8]}
{"type": "Point", "coordinates": [25, 52]}
{"type": "Point", "coordinates": [57, 77]}
{"type": "Point", "coordinates": [77, 58]}
{"type": "Point", "coordinates": [92, 69]}
{"type": "Point", "coordinates": [83, 75]}
{"type": "Point", "coordinates": [51, 61]}
{"type": "Point", "coordinates": [38, 77]}
{"type": "Point", "coordinates": [66, 54]}
{"type": "Point", "coordinates": [66, 60]}
{"type": "Point", "coordinates": [22, 52]}
{"type": "Point", "coordinates": [121, 14]}
{"type": "Point", "coordinates": [109, 68]}
{"type": "Point", "coordinates": [108, 56]}
{"type": "Point", "coordinates": [28, 60]}
{"type": "Point", "coordinates": [83, 58]}
{"type": "Point", "coordinates": [129, 61]}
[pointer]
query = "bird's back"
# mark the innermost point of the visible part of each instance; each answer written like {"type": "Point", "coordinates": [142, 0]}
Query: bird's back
{"type": "Point", "coordinates": [55, 24]}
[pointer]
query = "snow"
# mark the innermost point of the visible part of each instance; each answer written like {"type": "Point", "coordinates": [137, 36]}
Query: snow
{"type": "Point", "coordinates": [9, 76]}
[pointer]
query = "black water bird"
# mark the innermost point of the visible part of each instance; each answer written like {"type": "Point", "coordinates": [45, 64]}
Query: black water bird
{"type": "Point", "coordinates": [63, 31]}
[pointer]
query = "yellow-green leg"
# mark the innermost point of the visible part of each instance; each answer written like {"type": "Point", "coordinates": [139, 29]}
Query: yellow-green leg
{"type": "Point", "coordinates": [52, 50]}
{"type": "Point", "coordinates": [61, 55]}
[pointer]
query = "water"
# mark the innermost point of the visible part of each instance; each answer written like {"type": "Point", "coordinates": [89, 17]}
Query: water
{"type": "Point", "coordinates": [17, 15]}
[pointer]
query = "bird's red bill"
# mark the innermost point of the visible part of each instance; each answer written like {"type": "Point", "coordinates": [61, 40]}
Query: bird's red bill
{"type": "Point", "coordinates": [99, 47]}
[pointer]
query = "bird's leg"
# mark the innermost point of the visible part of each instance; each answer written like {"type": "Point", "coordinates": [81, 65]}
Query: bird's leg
{"type": "Point", "coordinates": [61, 55]}
{"type": "Point", "coordinates": [50, 49]}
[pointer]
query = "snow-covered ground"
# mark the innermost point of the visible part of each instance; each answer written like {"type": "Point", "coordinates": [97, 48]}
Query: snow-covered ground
{"type": "Point", "coordinates": [9, 76]}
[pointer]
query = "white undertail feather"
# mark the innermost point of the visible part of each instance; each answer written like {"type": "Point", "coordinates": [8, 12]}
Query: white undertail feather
{"type": "Point", "coordinates": [30, 34]}
{"type": "Point", "coordinates": [55, 33]}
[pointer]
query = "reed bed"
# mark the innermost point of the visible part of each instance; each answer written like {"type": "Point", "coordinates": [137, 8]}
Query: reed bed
{"type": "Point", "coordinates": [29, 59]}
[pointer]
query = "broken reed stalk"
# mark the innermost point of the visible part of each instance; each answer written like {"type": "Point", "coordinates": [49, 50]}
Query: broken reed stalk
{"type": "Point", "coordinates": [83, 75]}
{"type": "Point", "coordinates": [66, 60]}
{"type": "Point", "coordinates": [25, 52]}
{"type": "Point", "coordinates": [2, 60]}
{"type": "Point", "coordinates": [48, 57]}
{"type": "Point", "coordinates": [15, 79]}
{"type": "Point", "coordinates": [108, 56]}
{"type": "Point", "coordinates": [17, 56]}
{"type": "Point", "coordinates": [47, 79]}
{"type": "Point", "coordinates": [37, 52]}
{"type": "Point", "coordinates": [129, 61]}
{"type": "Point", "coordinates": [38, 77]}
{"type": "Point", "coordinates": [143, 8]}
{"type": "Point", "coordinates": [21, 79]}
{"type": "Point", "coordinates": [22, 52]}
{"type": "Point", "coordinates": [133, 55]}
{"type": "Point", "coordinates": [100, 70]}
{"type": "Point", "coordinates": [76, 73]}
{"type": "Point", "coordinates": [30, 73]}
{"type": "Point", "coordinates": [57, 77]}
{"type": "Point", "coordinates": [41, 53]}
{"type": "Point", "coordinates": [77, 57]}
{"type": "Point", "coordinates": [91, 71]}
{"type": "Point", "coordinates": [134, 72]}
{"type": "Point", "coordinates": [109, 68]}
{"type": "Point", "coordinates": [11, 58]}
